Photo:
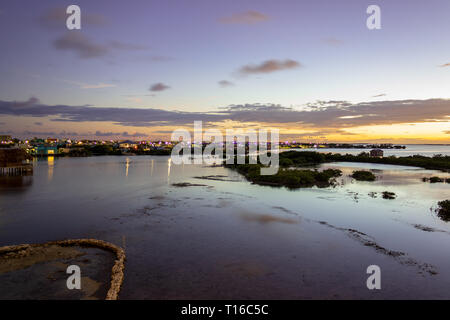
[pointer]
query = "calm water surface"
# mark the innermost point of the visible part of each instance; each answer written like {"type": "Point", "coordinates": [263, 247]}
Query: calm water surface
{"type": "Point", "coordinates": [411, 149]}
{"type": "Point", "coordinates": [231, 239]}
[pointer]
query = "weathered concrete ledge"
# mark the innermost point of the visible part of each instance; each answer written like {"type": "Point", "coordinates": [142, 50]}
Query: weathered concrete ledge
{"type": "Point", "coordinates": [117, 272]}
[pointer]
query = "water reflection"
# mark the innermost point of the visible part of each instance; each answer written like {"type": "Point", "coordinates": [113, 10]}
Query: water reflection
{"type": "Point", "coordinates": [217, 232]}
{"type": "Point", "coordinates": [51, 165]}
{"type": "Point", "coordinates": [14, 184]}
{"type": "Point", "coordinates": [169, 165]}
{"type": "Point", "coordinates": [127, 165]}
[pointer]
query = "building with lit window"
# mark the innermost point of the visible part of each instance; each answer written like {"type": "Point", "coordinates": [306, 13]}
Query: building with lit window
{"type": "Point", "coordinates": [44, 150]}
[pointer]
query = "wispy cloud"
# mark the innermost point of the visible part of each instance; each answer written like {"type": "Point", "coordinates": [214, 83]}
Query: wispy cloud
{"type": "Point", "coordinates": [135, 99]}
{"type": "Point", "coordinates": [120, 134]}
{"type": "Point", "coordinates": [249, 17]}
{"type": "Point", "coordinates": [80, 44]}
{"type": "Point", "coordinates": [333, 41]}
{"type": "Point", "coordinates": [138, 95]}
{"type": "Point", "coordinates": [225, 83]}
{"type": "Point", "coordinates": [64, 133]}
{"type": "Point", "coordinates": [71, 134]}
{"type": "Point", "coordinates": [158, 87]}
{"type": "Point", "coordinates": [445, 65]}
{"type": "Point", "coordinates": [379, 95]}
{"type": "Point", "coordinates": [155, 58]}
{"type": "Point", "coordinates": [86, 48]}
{"type": "Point", "coordinates": [127, 46]}
{"type": "Point", "coordinates": [318, 134]}
{"type": "Point", "coordinates": [83, 85]}
{"type": "Point", "coordinates": [339, 114]}
{"type": "Point", "coordinates": [329, 114]}
{"type": "Point", "coordinates": [269, 66]}
{"type": "Point", "coordinates": [98, 86]}
{"type": "Point", "coordinates": [122, 116]}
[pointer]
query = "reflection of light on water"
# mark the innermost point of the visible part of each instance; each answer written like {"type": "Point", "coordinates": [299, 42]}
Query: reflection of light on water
{"type": "Point", "coordinates": [151, 168]}
{"type": "Point", "coordinates": [51, 165]}
{"type": "Point", "coordinates": [169, 164]}
{"type": "Point", "coordinates": [127, 165]}
{"type": "Point", "coordinates": [264, 209]}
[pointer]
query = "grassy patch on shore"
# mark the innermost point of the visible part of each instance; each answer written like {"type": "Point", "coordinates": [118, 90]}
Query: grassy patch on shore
{"type": "Point", "coordinates": [299, 178]}
{"type": "Point", "coordinates": [438, 162]}
{"type": "Point", "coordinates": [293, 179]}
{"type": "Point", "coordinates": [299, 159]}
{"type": "Point", "coordinates": [436, 180]}
{"type": "Point", "coordinates": [306, 158]}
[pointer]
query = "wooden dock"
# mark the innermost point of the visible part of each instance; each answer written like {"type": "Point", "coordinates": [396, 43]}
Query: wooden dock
{"type": "Point", "coordinates": [14, 162]}
{"type": "Point", "coordinates": [26, 169]}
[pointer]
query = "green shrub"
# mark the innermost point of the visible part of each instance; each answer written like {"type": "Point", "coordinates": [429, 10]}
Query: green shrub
{"type": "Point", "coordinates": [286, 162]}
{"type": "Point", "coordinates": [443, 210]}
{"type": "Point", "coordinates": [362, 175]}
{"type": "Point", "coordinates": [436, 180]}
{"type": "Point", "coordinates": [389, 195]}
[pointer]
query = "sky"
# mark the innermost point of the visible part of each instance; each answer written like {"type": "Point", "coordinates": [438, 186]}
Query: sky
{"type": "Point", "coordinates": [140, 69]}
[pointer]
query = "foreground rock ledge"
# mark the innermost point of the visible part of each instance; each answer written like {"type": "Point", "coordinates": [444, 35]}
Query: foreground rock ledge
{"type": "Point", "coordinates": [117, 272]}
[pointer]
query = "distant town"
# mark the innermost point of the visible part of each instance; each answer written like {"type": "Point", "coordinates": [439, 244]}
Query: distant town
{"type": "Point", "coordinates": [79, 148]}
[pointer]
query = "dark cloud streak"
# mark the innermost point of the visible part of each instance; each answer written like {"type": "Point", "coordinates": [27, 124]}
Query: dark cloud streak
{"type": "Point", "coordinates": [159, 87]}
{"type": "Point", "coordinates": [79, 43]}
{"type": "Point", "coordinates": [269, 66]}
{"type": "Point", "coordinates": [329, 114]}
{"type": "Point", "coordinates": [225, 83]}
{"type": "Point", "coordinates": [86, 48]}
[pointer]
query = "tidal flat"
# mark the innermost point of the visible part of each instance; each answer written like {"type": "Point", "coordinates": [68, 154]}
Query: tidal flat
{"type": "Point", "coordinates": [226, 238]}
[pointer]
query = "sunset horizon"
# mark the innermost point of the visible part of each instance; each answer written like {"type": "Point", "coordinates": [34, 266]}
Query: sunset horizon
{"type": "Point", "coordinates": [312, 69]}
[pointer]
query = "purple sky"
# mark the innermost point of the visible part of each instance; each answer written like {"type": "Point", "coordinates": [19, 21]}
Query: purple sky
{"type": "Point", "coordinates": [203, 56]}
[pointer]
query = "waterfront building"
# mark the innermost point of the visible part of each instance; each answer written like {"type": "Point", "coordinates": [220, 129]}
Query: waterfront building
{"type": "Point", "coordinates": [44, 150]}
{"type": "Point", "coordinates": [13, 161]}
